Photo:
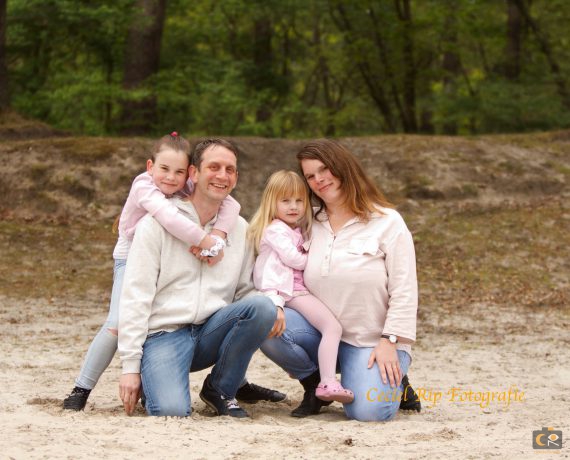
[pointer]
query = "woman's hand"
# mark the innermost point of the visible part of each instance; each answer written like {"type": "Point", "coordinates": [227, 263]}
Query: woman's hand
{"type": "Point", "coordinates": [387, 358]}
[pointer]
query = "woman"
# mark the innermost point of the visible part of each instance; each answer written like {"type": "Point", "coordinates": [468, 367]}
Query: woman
{"type": "Point", "coordinates": [361, 264]}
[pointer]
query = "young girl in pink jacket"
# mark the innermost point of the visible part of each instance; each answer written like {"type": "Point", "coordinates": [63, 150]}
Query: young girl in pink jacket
{"type": "Point", "coordinates": [166, 174]}
{"type": "Point", "coordinates": [278, 230]}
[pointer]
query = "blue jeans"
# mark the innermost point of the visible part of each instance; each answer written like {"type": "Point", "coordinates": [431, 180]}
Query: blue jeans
{"type": "Point", "coordinates": [227, 340]}
{"type": "Point", "coordinates": [296, 352]}
{"type": "Point", "coordinates": [104, 344]}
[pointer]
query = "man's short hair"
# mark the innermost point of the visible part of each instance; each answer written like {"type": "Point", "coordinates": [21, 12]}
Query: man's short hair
{"type": "Point", "coordinates": [201, 147]}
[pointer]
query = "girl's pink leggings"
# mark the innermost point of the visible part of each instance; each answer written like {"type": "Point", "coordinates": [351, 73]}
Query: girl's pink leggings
{"type": "Point", "coordinates": [321, 318]}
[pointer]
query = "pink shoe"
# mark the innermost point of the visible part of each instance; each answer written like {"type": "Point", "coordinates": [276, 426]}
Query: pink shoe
{"type": "Point", "coordinates": [334, 392]}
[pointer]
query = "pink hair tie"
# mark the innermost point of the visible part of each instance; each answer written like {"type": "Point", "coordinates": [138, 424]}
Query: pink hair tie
{"type": "Point", "coordinates": [174, 134]}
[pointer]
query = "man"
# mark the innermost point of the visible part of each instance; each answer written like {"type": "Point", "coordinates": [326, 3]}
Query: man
{"type": "Point", "coordinates": [177, 314]}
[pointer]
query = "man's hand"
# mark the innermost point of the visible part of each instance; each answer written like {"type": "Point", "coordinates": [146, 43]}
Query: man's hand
{"type": "Point", "coordinates": [214, 260]}
{"type": "Point", "coordinates": [388, 364]}
{"type": "Point", "coordinates": [130, 391]}
{"type": "Point", "coordinates": [279, 325]}
{"type": "Point", "coordinates": [195, 250]}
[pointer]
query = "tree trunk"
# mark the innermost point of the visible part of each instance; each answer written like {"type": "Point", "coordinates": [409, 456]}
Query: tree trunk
{"type": "Point", "coordinates": [324, 72]}
{"type": "Point", "coordinates": [548, 53]}
{"type": "Point", "coordinates": [389, 78]}
{"type": "Point", "coordinates": [262, 76]}
{"type": "Point", "coordinates": [405, 15]}
{"type": "Point", "coordinates": [375, 88]}
{"type": "Point", "coordinates": [4, 94]}
{"type": "Point", "coordinates": [513, 48]}
{"type": "Point", "coordinates": [451, 64]}
{"type": "Point", "coordinates": [426, 121]}
{"type": "Point", "coordinates": [108, 106]}
{"type": "Point", "coordinates": [142, 59]}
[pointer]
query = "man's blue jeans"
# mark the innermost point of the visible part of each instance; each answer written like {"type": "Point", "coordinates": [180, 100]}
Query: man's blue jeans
{"type": "Point", "coordinates": [226, 340]}
{"type": "Point", "coordinates": [296, 351]}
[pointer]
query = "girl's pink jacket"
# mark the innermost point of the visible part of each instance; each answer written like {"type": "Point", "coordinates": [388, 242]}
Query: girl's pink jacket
{"type": "Point", "coordinates": [279, 254]}
{"type": "Point", "coordinates": [145, 198]}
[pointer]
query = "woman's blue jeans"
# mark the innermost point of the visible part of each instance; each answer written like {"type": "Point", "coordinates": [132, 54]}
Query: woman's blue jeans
{"type": "Point", "coordinates": [296, 352]}
{"type": "Point", "coordinates": [227, 340]}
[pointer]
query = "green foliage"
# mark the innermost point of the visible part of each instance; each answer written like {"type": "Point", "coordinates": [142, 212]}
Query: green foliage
{"type": "Point", "coordinates": [66, 60]}
{"type": "Point", "coordinates": [295, 68]}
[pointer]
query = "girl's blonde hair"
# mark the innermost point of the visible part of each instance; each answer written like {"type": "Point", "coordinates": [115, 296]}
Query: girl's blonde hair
{"type": "Point", "coordinates": [280, 184]}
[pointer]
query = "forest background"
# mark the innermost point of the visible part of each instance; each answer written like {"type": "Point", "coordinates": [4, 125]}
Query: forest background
{"type": "Point", "coordinates": [287, 68]}
{"type": "Point", "coordinates": [86, 85]}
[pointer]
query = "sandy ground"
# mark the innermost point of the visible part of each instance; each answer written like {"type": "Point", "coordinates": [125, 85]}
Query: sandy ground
{"type": "Point", "coordinates": [479, 330]}
{"type": "Point", "coordinates": [523, 350]}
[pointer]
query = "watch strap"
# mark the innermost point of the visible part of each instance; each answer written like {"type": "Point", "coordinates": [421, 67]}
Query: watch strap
{"type": "Point", "coordinates": [389, 337]}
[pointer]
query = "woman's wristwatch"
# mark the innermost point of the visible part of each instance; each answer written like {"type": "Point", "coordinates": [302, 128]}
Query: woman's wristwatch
{"type": "Point", "coordinates": [392, 338]}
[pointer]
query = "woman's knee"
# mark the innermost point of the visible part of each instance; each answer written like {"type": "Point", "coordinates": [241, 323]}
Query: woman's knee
{"type": "Point", "coordinates": [276, 348]}
{"type": "Point", "coordinates": [271, 347]}
{"type": "Point", "coordinates": [367, 411]}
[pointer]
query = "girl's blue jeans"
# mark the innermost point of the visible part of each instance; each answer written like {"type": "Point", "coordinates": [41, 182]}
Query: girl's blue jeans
{"type": "Point", "coordinates": [104, 344]}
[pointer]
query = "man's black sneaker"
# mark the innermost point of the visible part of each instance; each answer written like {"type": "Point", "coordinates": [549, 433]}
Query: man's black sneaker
{"type": "Point", "coordinates": [252, 393]}
{"type": "Point", "coordinates": [77, 399]}
{"type": "Point", "coordinates": [219, 403]}
{"type": "Point", "coordinates": [410, 399]}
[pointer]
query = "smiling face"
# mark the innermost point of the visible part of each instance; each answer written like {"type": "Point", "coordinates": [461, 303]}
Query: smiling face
{"type": "Point", "coordinates": [169, 171]}
{"type": "Point", "coordinates": [322, 182]}
{"type": "Point", "coordinates": [217, 174]}
{"type": "Point", "coordinates": [290, 209]}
